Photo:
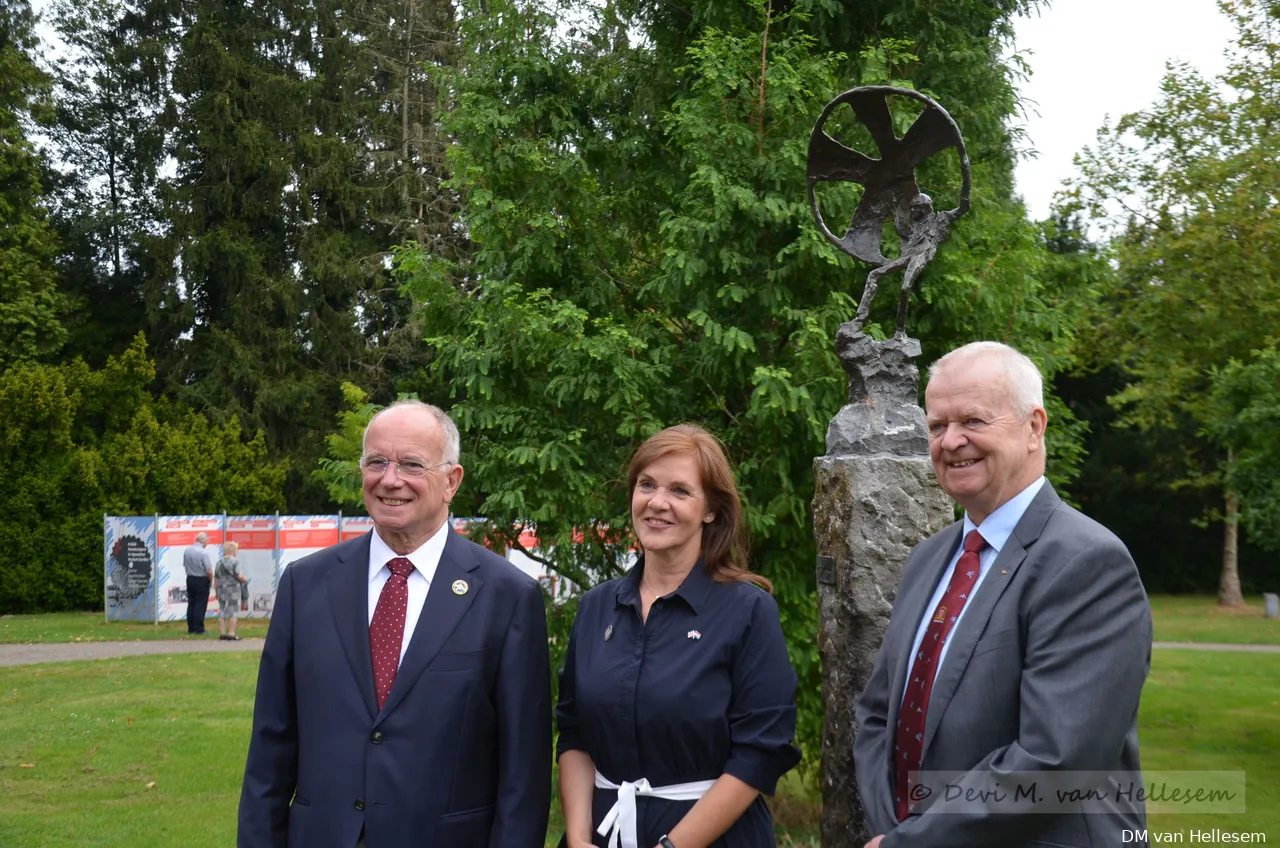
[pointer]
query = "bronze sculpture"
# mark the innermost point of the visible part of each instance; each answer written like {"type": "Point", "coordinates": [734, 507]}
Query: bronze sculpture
{"type": "Point", "coordinates": [875, 494]}
{"type": "Point", "coordinates": [890, 185]}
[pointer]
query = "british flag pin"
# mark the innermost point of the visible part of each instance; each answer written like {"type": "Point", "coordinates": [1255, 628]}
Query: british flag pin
{"type": "Point", "coordinates": [695, 635]}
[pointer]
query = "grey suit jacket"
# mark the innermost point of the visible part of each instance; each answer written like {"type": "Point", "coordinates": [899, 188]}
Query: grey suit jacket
{"type": "Point", "coordinates": [1041, 679]}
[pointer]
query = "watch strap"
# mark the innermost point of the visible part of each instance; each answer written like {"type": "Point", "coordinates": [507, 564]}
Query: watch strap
{"type": "Point", "coordinates": [665, 842]}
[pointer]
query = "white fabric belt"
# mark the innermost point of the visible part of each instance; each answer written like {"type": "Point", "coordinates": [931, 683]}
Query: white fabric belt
{"type": "Point", "coordinates": [620, 822]}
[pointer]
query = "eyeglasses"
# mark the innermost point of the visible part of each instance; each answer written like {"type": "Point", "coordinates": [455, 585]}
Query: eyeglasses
{"type": "Point", "coordinates": [376, 466]}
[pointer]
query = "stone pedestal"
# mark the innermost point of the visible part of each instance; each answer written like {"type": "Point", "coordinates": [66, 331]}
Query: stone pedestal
{"type": "Point", "coordinates": [875, 498]}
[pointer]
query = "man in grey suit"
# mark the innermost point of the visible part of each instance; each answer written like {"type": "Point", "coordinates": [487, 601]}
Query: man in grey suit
{"type": "Point", "coordinates": [1018, 645]}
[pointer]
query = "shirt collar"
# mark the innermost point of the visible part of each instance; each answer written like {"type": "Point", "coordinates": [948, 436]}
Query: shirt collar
{"type": "Point", "coordinates": [999, 525]}
{"type": "Point", "coordinates": [693, 590]}
{"type": "Point", "coordinates": [425, 559]}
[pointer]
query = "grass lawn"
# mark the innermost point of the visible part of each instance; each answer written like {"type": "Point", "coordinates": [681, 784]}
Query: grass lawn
{"type": "Point", "coordinates": [1178, 618]}
{"type": "Point", "coordinates": [148, 751]}
{"type": "Point", "coordinates": [1198, 618]}
{"type": "Point", "coordinates": [89, 627]}
{"type": "Point", "coordinates": [135, 752]}
{"type": "Point", "coordinates": [1215, 711]}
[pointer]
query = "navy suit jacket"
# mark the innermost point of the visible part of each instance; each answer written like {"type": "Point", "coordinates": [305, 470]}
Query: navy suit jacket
{"type": "Point", "coordinates": [460, 754]}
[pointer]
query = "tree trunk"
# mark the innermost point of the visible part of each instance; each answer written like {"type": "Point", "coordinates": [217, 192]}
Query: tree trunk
{"type": "Point", "coordinates": [1229, 584]}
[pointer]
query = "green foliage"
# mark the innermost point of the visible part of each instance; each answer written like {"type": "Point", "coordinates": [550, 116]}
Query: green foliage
{"type": "Point", "coordinates": [30, 307]}
{"type": "Point", "coordinates": [1186, 191]}
{"type": "Point", "coordinates": [340, 470]}
{"type": "Point", "coordinates": [108, 143]}
{"type": "Point", "coordinates": [643, 254]}
{"type": "Point", "coordinates": [1246, 401]}
{"type": "Point", "coordinates": [232, 179]}
{"type": "Point", "coordinates": [78, 443]}
{"type": "Point", "coordinates": [239, 116]}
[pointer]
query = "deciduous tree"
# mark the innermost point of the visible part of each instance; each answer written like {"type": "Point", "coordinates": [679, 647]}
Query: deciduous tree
{"type": "Point", "coordinates": [642, 253]}
{"type": "Point", "coordinates": [1188, 191]}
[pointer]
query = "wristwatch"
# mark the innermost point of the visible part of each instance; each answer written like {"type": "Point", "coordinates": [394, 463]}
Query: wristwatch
{"type": "Point", "coordinates": [664, 842]}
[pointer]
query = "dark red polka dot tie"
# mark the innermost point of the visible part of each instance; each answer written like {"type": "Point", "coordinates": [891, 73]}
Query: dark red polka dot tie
{"type": "Point", "coordinates": [908, 747]}
{"type": "Point", "coordinates": [386, 631]}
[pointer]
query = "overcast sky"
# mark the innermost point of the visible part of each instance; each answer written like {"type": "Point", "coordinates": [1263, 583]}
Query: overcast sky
{"type": "Point", "coordinates": [1094, 58]}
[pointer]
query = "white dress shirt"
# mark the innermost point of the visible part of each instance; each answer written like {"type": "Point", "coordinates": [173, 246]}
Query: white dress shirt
{"type": "Point", "coordinates": [995, 530]}
{"type": "Point", "coordinates": [425, 561]}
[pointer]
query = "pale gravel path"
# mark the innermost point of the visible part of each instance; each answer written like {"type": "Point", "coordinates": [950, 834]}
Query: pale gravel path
{"type": "Point", "coordinates": [1218, 646]}
{"type": "Point", "coordinates": [69, 651]}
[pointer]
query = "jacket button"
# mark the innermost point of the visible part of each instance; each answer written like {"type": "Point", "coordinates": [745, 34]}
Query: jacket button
{"type": "Point", "coordinates": [376, 737]}
{"type": "Point", "coordinates": [359, 804]}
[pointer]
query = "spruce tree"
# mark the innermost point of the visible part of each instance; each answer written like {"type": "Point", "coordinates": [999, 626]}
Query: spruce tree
{"type": "Point", "coordinates": [31, 309]}
{"type": "Point", "coordinates": [109, 144]}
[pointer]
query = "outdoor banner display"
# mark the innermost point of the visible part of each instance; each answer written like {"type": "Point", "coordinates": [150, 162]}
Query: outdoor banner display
{"type": "Point", "coordinates": [256, 535]}
{"type": "Point", "coordinates": [354, 526]}
{"type": "Point", "coordinates": [129, 579]}
{"type": "Point", "coordinates": [144, 579]}
{"type": "Point", "coordinates": [301, 535]}
{"type": "Point", "coordinates": [174, 535]}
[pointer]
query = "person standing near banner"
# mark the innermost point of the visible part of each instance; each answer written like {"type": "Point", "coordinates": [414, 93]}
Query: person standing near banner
{"type": "Point", "coordinates": [195, 561]}
{"type": "Point", "coordinates": [229, 579]}
{"type": "Point", "coordinates": [404, 692]}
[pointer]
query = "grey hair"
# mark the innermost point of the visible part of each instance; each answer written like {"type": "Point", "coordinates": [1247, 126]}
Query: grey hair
{"type": "Point", "coordinates": [1026, 386]}
{"type": "Point", "coordinates": [451, 449]}
{"type": "Point", "coordinates": [202, 537]}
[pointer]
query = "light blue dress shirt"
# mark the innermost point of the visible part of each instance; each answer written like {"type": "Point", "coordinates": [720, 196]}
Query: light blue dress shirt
{"type": "Point", "coordinates": [996, 530]}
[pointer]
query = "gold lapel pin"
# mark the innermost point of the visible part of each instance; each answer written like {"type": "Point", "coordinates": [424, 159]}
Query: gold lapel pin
{"type": "Point", "coordinates": [1004, 571]}
{"type": "Point", "coordinates": [460, 587]}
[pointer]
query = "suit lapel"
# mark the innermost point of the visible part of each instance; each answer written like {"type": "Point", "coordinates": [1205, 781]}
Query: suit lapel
{"type": "Point", "coordinates": [978, 611]}
{"type": "Point", "coordinates": [441, 614]}
{"type": "Point", "coordinates": [913, 611]}
{"type": "Point", "coordinates": [348, 586]}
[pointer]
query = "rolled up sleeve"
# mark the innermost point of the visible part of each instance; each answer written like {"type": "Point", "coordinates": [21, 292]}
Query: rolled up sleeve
{"type": "Point", "coordinates": [762, 710]}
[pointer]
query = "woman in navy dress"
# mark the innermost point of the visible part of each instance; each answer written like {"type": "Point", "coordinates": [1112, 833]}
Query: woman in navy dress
{"type": "Point", "coordinates": [677, 699]}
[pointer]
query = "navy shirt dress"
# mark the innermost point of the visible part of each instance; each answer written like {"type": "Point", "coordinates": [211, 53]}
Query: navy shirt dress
{"type": "Point", "coordinates": [702, 689]}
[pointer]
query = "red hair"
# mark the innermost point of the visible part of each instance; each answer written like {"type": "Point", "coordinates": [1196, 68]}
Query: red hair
{"type": "Point", "coordinates": [724, 538]}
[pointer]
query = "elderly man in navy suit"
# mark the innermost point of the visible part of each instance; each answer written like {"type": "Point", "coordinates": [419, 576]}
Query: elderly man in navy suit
{"type": "Point", "coordinates": [404, 690]}
{"type": "Point", "coordinates": [1018, 645]}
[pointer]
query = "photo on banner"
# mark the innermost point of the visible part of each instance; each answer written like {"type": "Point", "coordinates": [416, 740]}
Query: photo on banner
{"type": "Point", "coordinates": [175, 534]}
{"type": "Point", "coordinates": [256, 536]}
{"type": "Point", "coordinates": [129, 560]}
